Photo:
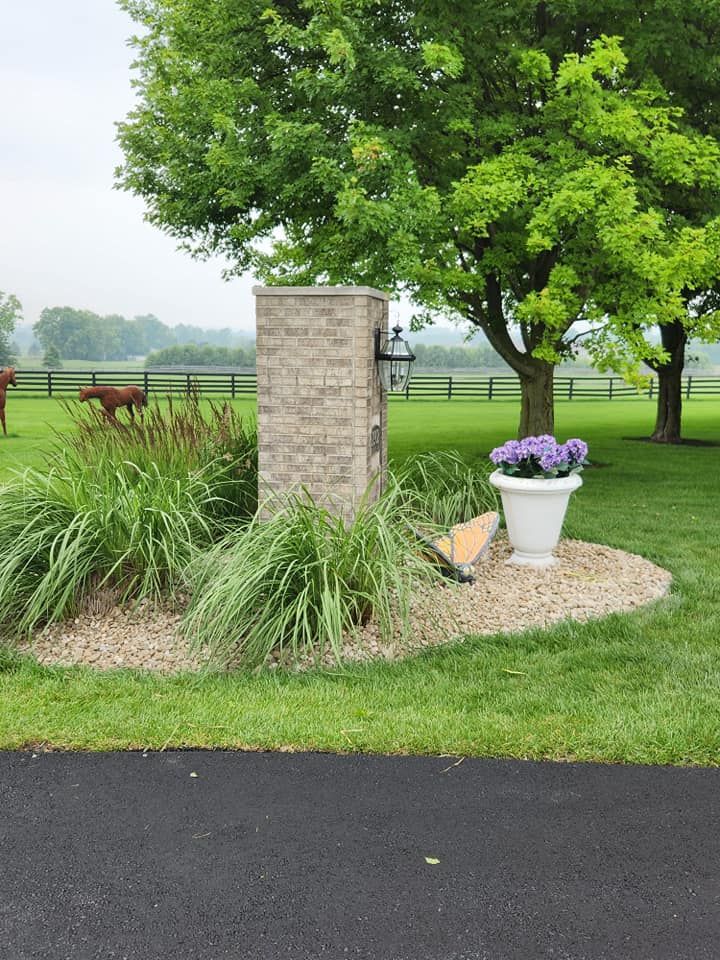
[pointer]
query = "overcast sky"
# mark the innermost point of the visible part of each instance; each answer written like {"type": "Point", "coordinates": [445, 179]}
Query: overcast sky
{"type": "Point", "coordinates": [66, 236]}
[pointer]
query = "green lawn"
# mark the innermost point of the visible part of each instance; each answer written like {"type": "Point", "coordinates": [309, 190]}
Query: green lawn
{"type": "Point", "coordinates": [643, 687]}
{"type": "Point", "coordinates": [32, 423]}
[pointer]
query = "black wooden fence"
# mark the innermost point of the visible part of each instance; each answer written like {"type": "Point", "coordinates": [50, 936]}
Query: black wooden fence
{"type": "Point", "coordinates": [565, 388]}
{"type": "Point", "coordinates": [53, 383]}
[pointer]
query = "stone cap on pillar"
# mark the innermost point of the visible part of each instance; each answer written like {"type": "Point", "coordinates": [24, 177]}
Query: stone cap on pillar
{"type": "Point", "coordinates": [320, 292]}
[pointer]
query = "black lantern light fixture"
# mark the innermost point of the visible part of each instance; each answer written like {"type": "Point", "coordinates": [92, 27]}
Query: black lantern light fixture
{"type": "Point", "coordinates": [395, 360]}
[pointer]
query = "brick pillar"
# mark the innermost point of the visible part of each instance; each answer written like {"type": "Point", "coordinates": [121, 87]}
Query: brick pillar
{"type": "Point", "coordinates": [322, 416]}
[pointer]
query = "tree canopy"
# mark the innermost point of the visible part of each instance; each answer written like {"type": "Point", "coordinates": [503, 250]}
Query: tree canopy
{"type": "Point", "coordinates": [10, 314]}
{"type": "Point", "coordinates": [83, 335]}
{"type": "Point", "coordinates": [504, 163]}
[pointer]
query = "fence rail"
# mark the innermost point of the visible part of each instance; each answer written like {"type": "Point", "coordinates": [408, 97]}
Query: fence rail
{"type": "Point", "coordinates": [63, 382]}
{"type": "Point", "coordinates": [565, 388]}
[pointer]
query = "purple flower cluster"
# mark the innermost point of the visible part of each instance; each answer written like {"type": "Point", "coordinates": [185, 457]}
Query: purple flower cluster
{"type": "Point", "coordinates": [577, 449]}
{"type": "Point", "coordinates": [540, 456]}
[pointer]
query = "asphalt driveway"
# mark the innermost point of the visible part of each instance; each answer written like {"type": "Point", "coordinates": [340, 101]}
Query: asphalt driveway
{"type": "Point", "coordinates": [262, 856]}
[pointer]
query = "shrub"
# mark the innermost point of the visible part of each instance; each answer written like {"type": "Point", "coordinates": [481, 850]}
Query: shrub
{"type": "Point", "coordinates": [52, 358]}
{"type": "Point", "coordinates": [140, 510]}
{"type": "Point", "coordinates": [297, 582]}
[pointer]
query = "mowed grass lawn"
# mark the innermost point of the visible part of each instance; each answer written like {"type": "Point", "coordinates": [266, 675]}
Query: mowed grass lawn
{"type": "Point", "coordinates": [643, 687]}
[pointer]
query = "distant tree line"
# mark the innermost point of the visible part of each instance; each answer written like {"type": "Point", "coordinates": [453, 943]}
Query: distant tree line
{"type": "Point", "coordinates": [429, 357]}
{"type": "Point", "coordinates": [72, 334]}
{"type": "Point", "coordinates": [435, 357]}
{"type": "Point", "coordinates": [66, 332]}
{"type": "Point", "coordinates": [201, 355]}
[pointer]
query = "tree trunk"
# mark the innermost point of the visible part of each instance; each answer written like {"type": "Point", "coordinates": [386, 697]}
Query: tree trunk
{"type": "Point", "coordinates": [669, 405]}
{"type": "Point", "coordinates": [537, 413]}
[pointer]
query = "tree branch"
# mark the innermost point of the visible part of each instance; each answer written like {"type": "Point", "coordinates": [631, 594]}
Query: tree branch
{"type": "Point", "coordinates": [497, 332]}
{"type": "Point", "coordinates": [577, 336]}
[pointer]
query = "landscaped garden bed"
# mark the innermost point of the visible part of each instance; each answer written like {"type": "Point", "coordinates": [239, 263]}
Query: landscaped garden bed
{"type": "Point", "coordinates": [142, 546]}
{"type": "Point", "coordinates": [590, 580]}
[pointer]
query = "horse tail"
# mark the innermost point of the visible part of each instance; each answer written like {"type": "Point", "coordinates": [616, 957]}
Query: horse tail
{"type": "Point", "coordinates": [143, 398]}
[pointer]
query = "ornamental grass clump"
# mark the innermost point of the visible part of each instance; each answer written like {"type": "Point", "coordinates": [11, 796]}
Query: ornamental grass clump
{"type": "Point", "coordinates": [540, 458]}
{"type": "Point", "coordinates": [443, 489]}
{"type": "Point", "coordinates": [296, 583]}
{"type": "Point", "coordinates": [76, 530]}
{"type": "Point", "coordinates": [120, 510]}
{"type": "Point", "coordinates": [179, 438]}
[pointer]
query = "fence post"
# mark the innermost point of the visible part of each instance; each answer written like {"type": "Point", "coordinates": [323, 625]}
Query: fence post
{"type": "Point", "coordinates": [449, 388]}
{"type": "Point", "coordinates": [610, 388]}
{"type": "Point", "coordinates": [571, 387]}
{"type": "Point", "coordinates": [490, 388]}
{"type": "Point", "coordinates": [94, 378]}
{"type": "Point", "coordinates": [49, 382]}
{"type": "Point", "coordinates": [188, 386]}
{"type": "Point", "coordinates": [146, 382]}
{"type": "Point", "coordinates": [688, 389]}
{"type": "Point", "coordinates": [652, 388]}
{"type": "Point", "coordinates": [232, 385]}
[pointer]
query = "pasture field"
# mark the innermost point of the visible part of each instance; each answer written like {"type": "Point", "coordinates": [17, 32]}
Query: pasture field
{"type": "Point", "coordinates": [35, 363]}
{"type": "Point", "coordinates": [643, 687]}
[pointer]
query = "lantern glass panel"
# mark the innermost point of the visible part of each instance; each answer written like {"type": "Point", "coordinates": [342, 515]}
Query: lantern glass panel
{"type": "Point", "coordinates": [401, 375]}
{"type": "Point", "coordinates": [395, 364]}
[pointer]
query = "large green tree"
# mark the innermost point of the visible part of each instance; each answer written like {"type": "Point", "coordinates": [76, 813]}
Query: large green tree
{"type": "Point", "coordinates": [680, 44]}
{"type": "Point", "coordinates": [10, 314]}
{"type": "Point", "coordinates": [72, 332]}
{"type": "Point", "coordinates": [677, 41]}
{"type": "Point", "coordinates": [498, 162]}
{"type": "Point", "coordinates": [84, 335]}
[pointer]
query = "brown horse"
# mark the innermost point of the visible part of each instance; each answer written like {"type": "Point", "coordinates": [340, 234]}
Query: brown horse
{"type": "Point", "coordinates": [113, 397]}
{"type": "Point", "coordinates": [6, 376]}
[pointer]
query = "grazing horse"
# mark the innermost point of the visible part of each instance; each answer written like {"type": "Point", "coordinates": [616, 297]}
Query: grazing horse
{"type": "Point", "coordinates": [6, 376]}
{"type": "Point", "coordinates": [113, 397]}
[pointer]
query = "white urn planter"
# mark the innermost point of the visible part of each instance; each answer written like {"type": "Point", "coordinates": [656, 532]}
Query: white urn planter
{"type": "Point", "coordinates": [534, 514]}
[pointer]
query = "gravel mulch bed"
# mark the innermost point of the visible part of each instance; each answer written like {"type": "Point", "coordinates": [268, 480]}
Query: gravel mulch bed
{"type": "Point", "coordinates": [143, 637]}
{"type": "Point", "coordinates": [589, 581]}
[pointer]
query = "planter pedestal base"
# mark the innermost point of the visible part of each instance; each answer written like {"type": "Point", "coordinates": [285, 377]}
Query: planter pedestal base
{"type": "Point", "coordinates": [527, 560]}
